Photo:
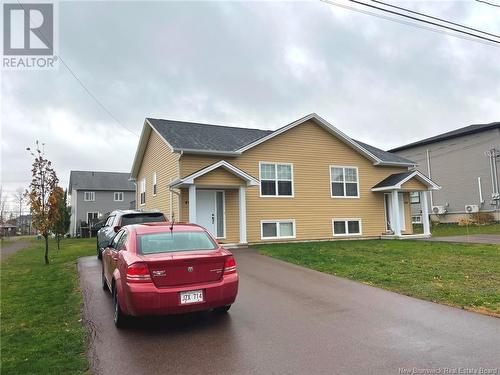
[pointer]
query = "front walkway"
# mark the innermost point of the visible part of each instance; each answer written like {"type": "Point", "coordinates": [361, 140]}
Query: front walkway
{"type": "Point", "coordinates": [475, 238]}
{"type": "Point", "coordinates": [12, 247]}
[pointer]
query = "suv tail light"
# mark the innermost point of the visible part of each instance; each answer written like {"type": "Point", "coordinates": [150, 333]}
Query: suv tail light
{"type": "Point", "coordinates": [138, 273]}
{"type": "Point", "coordinates": [229, 266]}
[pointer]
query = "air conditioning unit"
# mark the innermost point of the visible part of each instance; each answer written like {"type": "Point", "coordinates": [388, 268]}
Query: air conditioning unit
{"type": "Point", "coordinates": [438, 210]}
{"type": "Point", "coordinates": [471, 208]}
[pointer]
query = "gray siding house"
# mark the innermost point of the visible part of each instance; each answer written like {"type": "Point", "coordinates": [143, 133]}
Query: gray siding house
{"type": "Point", "coordinates": [465, 163]}
{"type": "Point", "coordinates": [94, 194]}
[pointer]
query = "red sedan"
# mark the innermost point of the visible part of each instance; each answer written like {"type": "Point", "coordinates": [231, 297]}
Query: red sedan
{"type": "Point", "coordinates": [159, 269]}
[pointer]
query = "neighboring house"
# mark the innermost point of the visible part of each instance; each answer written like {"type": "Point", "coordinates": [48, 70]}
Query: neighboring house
{"type": "Point", "coordinates": [465, 162]}
{"type": "Point", "coordinates": [96, 193]}
{"type": "Point", "coordinates": [304, 181]}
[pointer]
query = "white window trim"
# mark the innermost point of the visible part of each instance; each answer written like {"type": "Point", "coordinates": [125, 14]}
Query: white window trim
{"type": "Point", "coordinates": [276, 181]}
{"type": "Point", "coordinates": [418, 195]}
{"type": "Point", "coordinates": [142, 184]}
{"type": "Point", "coordinates": [92, 212]}
{"type": "Point", "coordinates": [347, 227]}
{"type": "Point", "coordinates": [331, 182]}
{"type": "Point", "coordinates": [277, 222]}
{"type": "Point", "coordinates": [114, 196]}
{"type": "Point", "coordinates": [92, 194]}
{"type": "Point", "coordinates": [416, 222]}
{"type": "Point", "coordinates": [154, 184]}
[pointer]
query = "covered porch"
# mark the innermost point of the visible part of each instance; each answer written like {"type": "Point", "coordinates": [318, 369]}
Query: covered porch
{"type": "Point", "coordinates": [394, 189]}
{"type": "Point", "coordinates": [215, 198]}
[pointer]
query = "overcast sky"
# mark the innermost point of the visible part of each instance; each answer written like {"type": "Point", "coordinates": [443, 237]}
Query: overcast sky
{"type": "Point", "coordinates": [249, 64]}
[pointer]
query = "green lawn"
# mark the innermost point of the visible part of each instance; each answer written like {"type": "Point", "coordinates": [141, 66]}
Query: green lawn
{"type": "Point", "coordinates": [441, 230]}
{"type": "Point", "coordinates": [462, 275]}
{"type": "Point", "coordinates": [41, 331]}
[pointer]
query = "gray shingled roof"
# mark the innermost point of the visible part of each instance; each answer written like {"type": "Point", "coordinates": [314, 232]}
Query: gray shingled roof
{"type": "Point", "coordinates": [393, 179]}
{"type": "Point", "coordinates": [385, 156]}
{"type": "Point", "coordinates": [205, 137]}
{"type": "Point", "coordinates": [471, 129]}
{"type": "Point", "coordinates": [90, 180]}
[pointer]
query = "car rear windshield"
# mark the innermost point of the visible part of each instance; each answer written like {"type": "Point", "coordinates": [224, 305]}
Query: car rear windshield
{"type": "Point", "coordinates": [167, 242]}
{"type": "Point", "coordinates": [142, 218]}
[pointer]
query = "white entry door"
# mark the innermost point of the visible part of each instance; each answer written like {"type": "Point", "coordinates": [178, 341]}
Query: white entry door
{"type": "Point", "coordinates": [210, 211]}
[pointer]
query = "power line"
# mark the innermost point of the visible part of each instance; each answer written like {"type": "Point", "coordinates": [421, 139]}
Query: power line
{"type": "Point", "coordinates": [488, 3]}
{"type": "Point", "coordinates": [408, 23]}
{"type": "Point", "coordinates": [425, 21]}
{"type": "Point", "coordinates": [87, 90]}
{"type": "Point", "coordinates": [434, 18]}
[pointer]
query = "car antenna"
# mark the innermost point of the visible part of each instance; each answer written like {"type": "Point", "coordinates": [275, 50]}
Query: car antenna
{"type": "Point", "coordinates": [172, 222]}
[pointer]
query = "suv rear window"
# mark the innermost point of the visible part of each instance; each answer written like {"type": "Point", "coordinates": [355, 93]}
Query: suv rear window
{"type": "Point", "coordinates": [142, 218]}
{"type": "Point", "coordinates": [167, 242]}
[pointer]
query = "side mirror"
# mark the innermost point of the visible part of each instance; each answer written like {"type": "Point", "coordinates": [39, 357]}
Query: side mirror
{"type": "Point", "coordinates": [117, 228]}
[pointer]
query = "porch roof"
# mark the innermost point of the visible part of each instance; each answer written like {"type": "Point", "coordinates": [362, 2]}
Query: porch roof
{"type": "Point", "coordinates": [395, 181]}
{"type": "Point", "coordinates": [189, 180]}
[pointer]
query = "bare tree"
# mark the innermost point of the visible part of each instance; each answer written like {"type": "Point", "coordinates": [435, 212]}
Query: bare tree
{"type": "Point", "coordinates": [19, 195]}
{"type": "Point", "coordinates": [3, 200]}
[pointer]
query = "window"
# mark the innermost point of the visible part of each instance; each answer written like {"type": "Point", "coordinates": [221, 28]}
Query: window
{"type": "Point", "coordinates": [276, 179]}
{"type": "Point", "coordinates": [416, 219]}
{"type": "Point", "coordinates": [120, 244]}
{"type": "Point", "coordinates": [344, 182]}
{"type": "Point", "coordinates": [155, 189]}
{"type": "Point", "coordinates": [277, 229]}
{"type": "Point", "coordinates": [346, 227]}
{"type": "Point", "coordinates": [118, 196]}
{"type": "Point", "coordinates": [168, 242]}
{"type": "Point", "coordinates": [143, 191]}
{"type": "Point", "coordinates": [89, 196]}
{"type": "Point", "coordinates": [109, 221]}
{"type": "Point", "coordinates": [92, 217]}
{"type": "Point", "coordinates": [414, 197]}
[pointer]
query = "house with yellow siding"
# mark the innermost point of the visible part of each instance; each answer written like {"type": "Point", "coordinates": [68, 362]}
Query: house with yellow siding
{"type": "Point", "coordinates": [304, 181]}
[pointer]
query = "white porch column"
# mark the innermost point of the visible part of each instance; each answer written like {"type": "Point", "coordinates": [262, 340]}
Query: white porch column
{"type": "Point", "coordinates": [243, 215]}
{"type": "Point", "coordinates": [425, 213]}
{"type": "Point", "coordinates": [395, 222]}
{"type": "Point", "coordinates": [192, 203]}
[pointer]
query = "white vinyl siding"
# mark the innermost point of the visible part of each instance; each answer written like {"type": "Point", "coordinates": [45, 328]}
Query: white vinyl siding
{"type": "Point", "coordinates": [277, 229]}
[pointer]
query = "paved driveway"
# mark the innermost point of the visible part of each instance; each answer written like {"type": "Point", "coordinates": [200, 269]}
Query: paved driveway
{"type": "Point", "coordinates": [476, 238]}
{"type": "Point", "coordinates": [291, 320]}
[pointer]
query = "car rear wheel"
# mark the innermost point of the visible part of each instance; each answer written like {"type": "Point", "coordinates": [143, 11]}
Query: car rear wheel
{"type": "Point", "coordinates": [120, 319]}
{"type": "Point", "coordinates": [223, 309]}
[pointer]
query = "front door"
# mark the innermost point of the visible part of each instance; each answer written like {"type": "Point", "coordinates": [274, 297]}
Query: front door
{"type": "Point", "coordinates": [210, 211]}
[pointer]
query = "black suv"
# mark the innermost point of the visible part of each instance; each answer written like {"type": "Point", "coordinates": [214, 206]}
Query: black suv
{"type": "Point", "coordinates": [120, 218]}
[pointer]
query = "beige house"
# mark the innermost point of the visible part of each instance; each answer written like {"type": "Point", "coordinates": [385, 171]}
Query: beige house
{"type": "Point", "coordinates": [304, 181]}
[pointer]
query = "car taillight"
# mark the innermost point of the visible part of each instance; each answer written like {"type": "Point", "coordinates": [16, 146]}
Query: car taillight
{"type": "Point", "coordinates": [138, 273]}
{"type": "Point", "coordinates": [229, 266]}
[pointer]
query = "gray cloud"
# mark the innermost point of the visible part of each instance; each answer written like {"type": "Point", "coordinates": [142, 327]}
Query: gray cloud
{"type": "Point", "coordinates": [244, 64]}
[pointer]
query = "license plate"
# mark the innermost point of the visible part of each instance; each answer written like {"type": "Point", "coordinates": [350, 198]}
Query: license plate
{"type": "Point", "coordinates": [191, 297]}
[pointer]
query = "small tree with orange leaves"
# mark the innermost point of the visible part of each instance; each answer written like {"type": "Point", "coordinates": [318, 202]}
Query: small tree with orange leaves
{"type": "Point", "coordinates": [42, 196]}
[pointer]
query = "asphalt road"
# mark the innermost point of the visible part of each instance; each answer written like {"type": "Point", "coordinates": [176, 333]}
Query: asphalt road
{"type": "Point", "coordinates": [290, 320]}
